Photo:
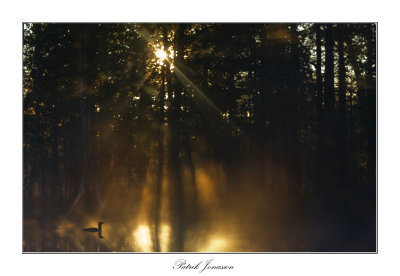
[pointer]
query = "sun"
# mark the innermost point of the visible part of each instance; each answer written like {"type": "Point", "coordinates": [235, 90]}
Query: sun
{"type": "Point", "coordinates": [161, 54]}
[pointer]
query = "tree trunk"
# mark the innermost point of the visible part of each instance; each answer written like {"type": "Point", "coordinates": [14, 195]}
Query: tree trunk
{"type": "Point", "coordinates": [329, 72]}
{"type": "Point", "coordinates": [319, 104]}
{"type": "Point", "coordinates": [318, 71]}
{"type": "Point", "coordinates": [341, 127]}
{"type": "Point", "coordinates": [371, 107]}
{"type": "Point", "coordinates": [35, 136]}
{"type": "Point", "coordinates": [55, 155]}
{"type": "Point", "coordinates": [160, 150]}
{"type": "Point", "coordinates": [175, 178]}
{"type": "Point", "coordinates": [328, 134]}
{"type": "Point", "coordinates": [292, 123]}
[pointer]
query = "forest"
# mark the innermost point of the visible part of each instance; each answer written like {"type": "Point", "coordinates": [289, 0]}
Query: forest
{"type": "Point", "coordinates": [199, 137]}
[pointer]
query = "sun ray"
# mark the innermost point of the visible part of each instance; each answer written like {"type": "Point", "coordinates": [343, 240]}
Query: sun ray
{"type": "Point", "coordinates": [186, 82]}
{"type": "Point", "coordinates": [203, 99]}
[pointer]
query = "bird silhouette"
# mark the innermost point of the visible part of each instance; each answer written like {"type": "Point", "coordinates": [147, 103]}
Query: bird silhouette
{"type": "Point", "coordinates": [98, 230]}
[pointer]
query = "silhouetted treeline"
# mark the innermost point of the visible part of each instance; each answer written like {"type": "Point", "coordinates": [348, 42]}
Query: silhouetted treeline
{"type": "Point", "coordinates": [288, 110]}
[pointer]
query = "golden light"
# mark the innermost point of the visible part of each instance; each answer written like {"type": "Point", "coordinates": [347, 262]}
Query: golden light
{"type": "Point", "coordinates": [164, 237]}
{"type": "Point", "coordinates": [161, 54]}
{"type": "Point", "coordinates": [142, 236]}
{"type": "Point", "coordinates": [215, 245]}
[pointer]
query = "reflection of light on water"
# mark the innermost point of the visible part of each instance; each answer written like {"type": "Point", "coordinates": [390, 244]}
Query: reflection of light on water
{"type": "Point", "coordinates": [164, 237]}
{"type": "Point", "coordinates": [142, 236]}
{"type": "Point", "coordinates": [215, 245]}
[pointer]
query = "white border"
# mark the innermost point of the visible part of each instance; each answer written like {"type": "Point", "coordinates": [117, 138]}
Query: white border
{"type": "Point", "coordinates": [15, 263]}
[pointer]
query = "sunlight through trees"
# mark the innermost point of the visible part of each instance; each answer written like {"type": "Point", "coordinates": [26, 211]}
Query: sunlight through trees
{"type": "Point", "coordinates": [200, 137]}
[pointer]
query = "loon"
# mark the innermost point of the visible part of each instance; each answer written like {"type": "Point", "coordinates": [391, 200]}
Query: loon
{"type": "Point", "coordinates": [92, 229]}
